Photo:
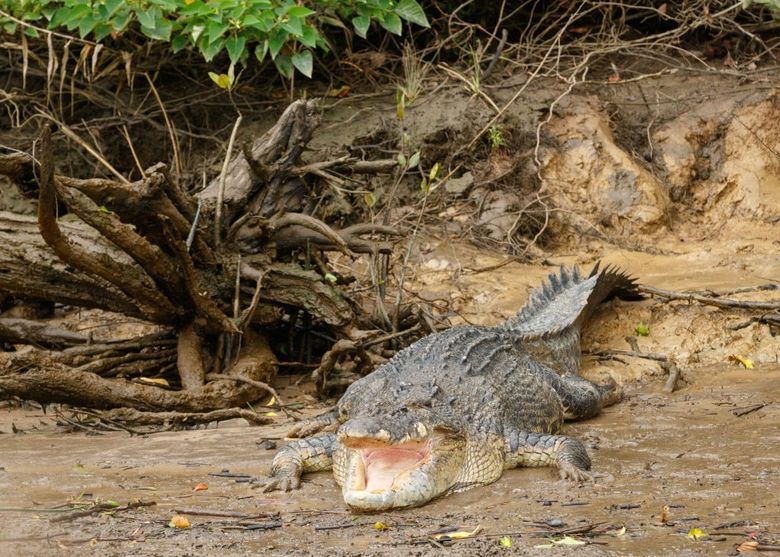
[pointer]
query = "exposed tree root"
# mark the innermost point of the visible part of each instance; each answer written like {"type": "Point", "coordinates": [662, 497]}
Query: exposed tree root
{"type": "Point", "coordinates": [139, 250]}
{"type": "Point", "coordinates": [709, 300]}
{"type": "Point", "coordinates": [176, 420]}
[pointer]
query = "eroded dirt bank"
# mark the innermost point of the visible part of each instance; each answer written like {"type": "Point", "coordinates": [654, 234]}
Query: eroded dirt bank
{"type": "Point", "coordinates": [695, 207]}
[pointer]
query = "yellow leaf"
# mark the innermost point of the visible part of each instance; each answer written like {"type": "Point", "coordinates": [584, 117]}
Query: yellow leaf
{"type": "Point", "coordinates": [505, 541]}
{"type": "Point", "coordinates": [696, 534]}
{"type": "Point", "coordinates": [201, 487]}
{"type": "Point", "coordinates": [434, 173]}
{"type": "Point", "coordinates": [179, 521]}
{"type": "Point", "coordinates": [621, 532]}
{"type": "Point", "coordinates": [271, 414]}
{"type": "Point", "coordinates": [154, 381]}
{"type": "Point", "coordinates": [747, 363]}
{"type": "Point", "coordinates": [565, 540]}
{"type": "Point", "coordinates": [568, 540]}
{"type": "Point", "coordinates": [271, 402]}
{"type": "Point", "coordinates": [222, 80]}
{"type": "Point", "coordinates": [380, 526]}
{"type": "Point", "coordinates": [460, 534]}
{"type": "Point", "coordinates": [339, 93]}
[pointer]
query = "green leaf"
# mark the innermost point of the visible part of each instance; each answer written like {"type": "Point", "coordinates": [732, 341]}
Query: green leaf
{"type": "Point", "coordinates": [304, 62]}
{"type": "Point", "coordinates": [294, 26]}
{"type": "Point", "coordinates": [101, 31]}
{"type": "Point", "coordinates": [411, 11]}
{"type": "Point", "coordinates": [284, 65]}
{"type": "Point", "coordinates": [146, 18]}
{"type": "Point", "coordinates": [235, 47]}
{"type": "Point", "coordinates": [87, 24]}
{"type": "Point", "coordinates": [309, 37]}
{"type": "Point", "coordinates": [31, 32]}
{"type": "Point", "coordinates": [112, 6]}
{"type": "Point", "coordinates": [276, 42]}
{"type": "Point", "coordinates": [392, 23]}
{"type": "Point", "coordinates": [178, 43]}
{"type": "Point", "coordinates": [505, 541]}
{"type": "Point", "coordinates": [161, 31]}
{"type": "Point", "coordinates": [210, 50]}
{"type": "Point", "coordinates": [216, 29]}
{"type": "Point", "coordinates": [370, 199]}
{"type": "Point", "coordinates": [299, 11]}
{"type": "Point", "coordinates": [261, 50]}
{"type": "Point", "coordinates": [414, 160]}
{"type": "Point", "coordinates": [642, 329]}
{"type": "Point", "coordinates": [401, 160]}
{"type": "Point", "coordinates": [361, 24]}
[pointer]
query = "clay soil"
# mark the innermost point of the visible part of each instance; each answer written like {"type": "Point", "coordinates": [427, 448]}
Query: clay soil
{"type": "Point", "coordinates": [703, 216]}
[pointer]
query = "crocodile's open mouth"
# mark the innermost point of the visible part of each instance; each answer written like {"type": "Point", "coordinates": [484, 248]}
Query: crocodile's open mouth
{"type": "Point", "coordinates": [385, 465]}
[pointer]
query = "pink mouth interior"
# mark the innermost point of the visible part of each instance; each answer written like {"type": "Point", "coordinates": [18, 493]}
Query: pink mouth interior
{"type": "Point", "coordinates": [384, 464]}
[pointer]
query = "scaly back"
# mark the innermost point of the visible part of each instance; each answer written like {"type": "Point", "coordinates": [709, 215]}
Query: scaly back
{"type": "Point", "coordinates": [550, 323]}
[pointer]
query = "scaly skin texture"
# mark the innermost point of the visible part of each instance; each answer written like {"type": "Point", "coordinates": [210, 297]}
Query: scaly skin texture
{"type": "Point", "coordinates": [455, 409]}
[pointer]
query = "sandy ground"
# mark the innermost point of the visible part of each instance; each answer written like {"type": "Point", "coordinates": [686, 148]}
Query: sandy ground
{"type": "Point", "coordinates": [708, 451]}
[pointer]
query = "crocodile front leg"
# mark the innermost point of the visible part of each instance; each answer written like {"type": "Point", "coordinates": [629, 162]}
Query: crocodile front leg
{"type": "Point", "coordinates": [311, 454]}
{"type": "Point", "coordinates": [324, 423]}
{"type": "Point", "coordinates": [539, 449]}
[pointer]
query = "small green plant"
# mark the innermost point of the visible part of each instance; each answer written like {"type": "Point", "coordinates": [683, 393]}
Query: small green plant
{"type": "Point", "coordinates": [496, 137]}
{"type": "Point", "coordinates": [282, 29]}
{"type": "Point", "coordinates": [642, 329]}
{"type": "Point", "coordinates": [431, 179]}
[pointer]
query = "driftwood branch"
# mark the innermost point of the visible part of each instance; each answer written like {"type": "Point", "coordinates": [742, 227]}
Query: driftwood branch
{"type": "Point", "coordinates": [709, 300]}
{"type": "Point", "coordinates": [27, 331]}
{"type": "Point", "coordinates": [154, 305]}
{"type": "Point", "coordinates": [174, 420]}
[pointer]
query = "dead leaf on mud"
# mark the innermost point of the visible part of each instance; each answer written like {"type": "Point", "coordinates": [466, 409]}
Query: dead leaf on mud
{"type": "Point", "coordinates": [696, 534]}
{"type": "Point", "coordinates": [663, 518]}
{"type": "Point", "coordinates": [179, 521]}
{"type": "Point", "coordinates": [747, 546]}
{"type": "Point", "coordinates": [565, 540]}
{"type": "Point", "coordinates": [747, 363]}
{"type": "Point", "coordinates": [201, 487]}
{"type": "Point", "coordinates": [159, 381]}
{"type": "Point", "coordinates": [458, 534]}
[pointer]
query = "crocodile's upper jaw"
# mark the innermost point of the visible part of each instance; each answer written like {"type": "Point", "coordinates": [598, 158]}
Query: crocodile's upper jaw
{"type": "Point", "coordinates": [378, 476]}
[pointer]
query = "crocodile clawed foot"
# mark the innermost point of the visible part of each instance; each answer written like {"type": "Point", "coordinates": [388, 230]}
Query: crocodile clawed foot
{"type": "Point", "coordinates": [285, 483]}
{"type": "Point", "coordinates": [570, 472]}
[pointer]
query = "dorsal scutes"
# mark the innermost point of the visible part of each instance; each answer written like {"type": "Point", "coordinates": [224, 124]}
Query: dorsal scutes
{"type": "Point", "coordinates": [566, 299]}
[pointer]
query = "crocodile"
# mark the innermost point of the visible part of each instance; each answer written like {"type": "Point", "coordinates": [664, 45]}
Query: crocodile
{"type": "Point", "coordinates": [456, 408]}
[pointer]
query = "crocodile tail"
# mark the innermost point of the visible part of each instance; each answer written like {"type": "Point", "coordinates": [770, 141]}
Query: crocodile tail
{"type": "Point", "coordinates": [549, 324]}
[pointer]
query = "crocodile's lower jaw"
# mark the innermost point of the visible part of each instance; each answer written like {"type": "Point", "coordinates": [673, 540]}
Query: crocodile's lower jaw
{"type": "Point", "coordinates": [383, 476]}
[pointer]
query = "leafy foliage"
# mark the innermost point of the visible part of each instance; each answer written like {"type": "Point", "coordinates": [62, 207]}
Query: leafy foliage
{"type": "Point", "coordinates": [284, 29]}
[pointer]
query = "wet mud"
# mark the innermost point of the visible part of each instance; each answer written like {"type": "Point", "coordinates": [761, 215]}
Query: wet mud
{"type": "Point", "coordinates": [707, 452]}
